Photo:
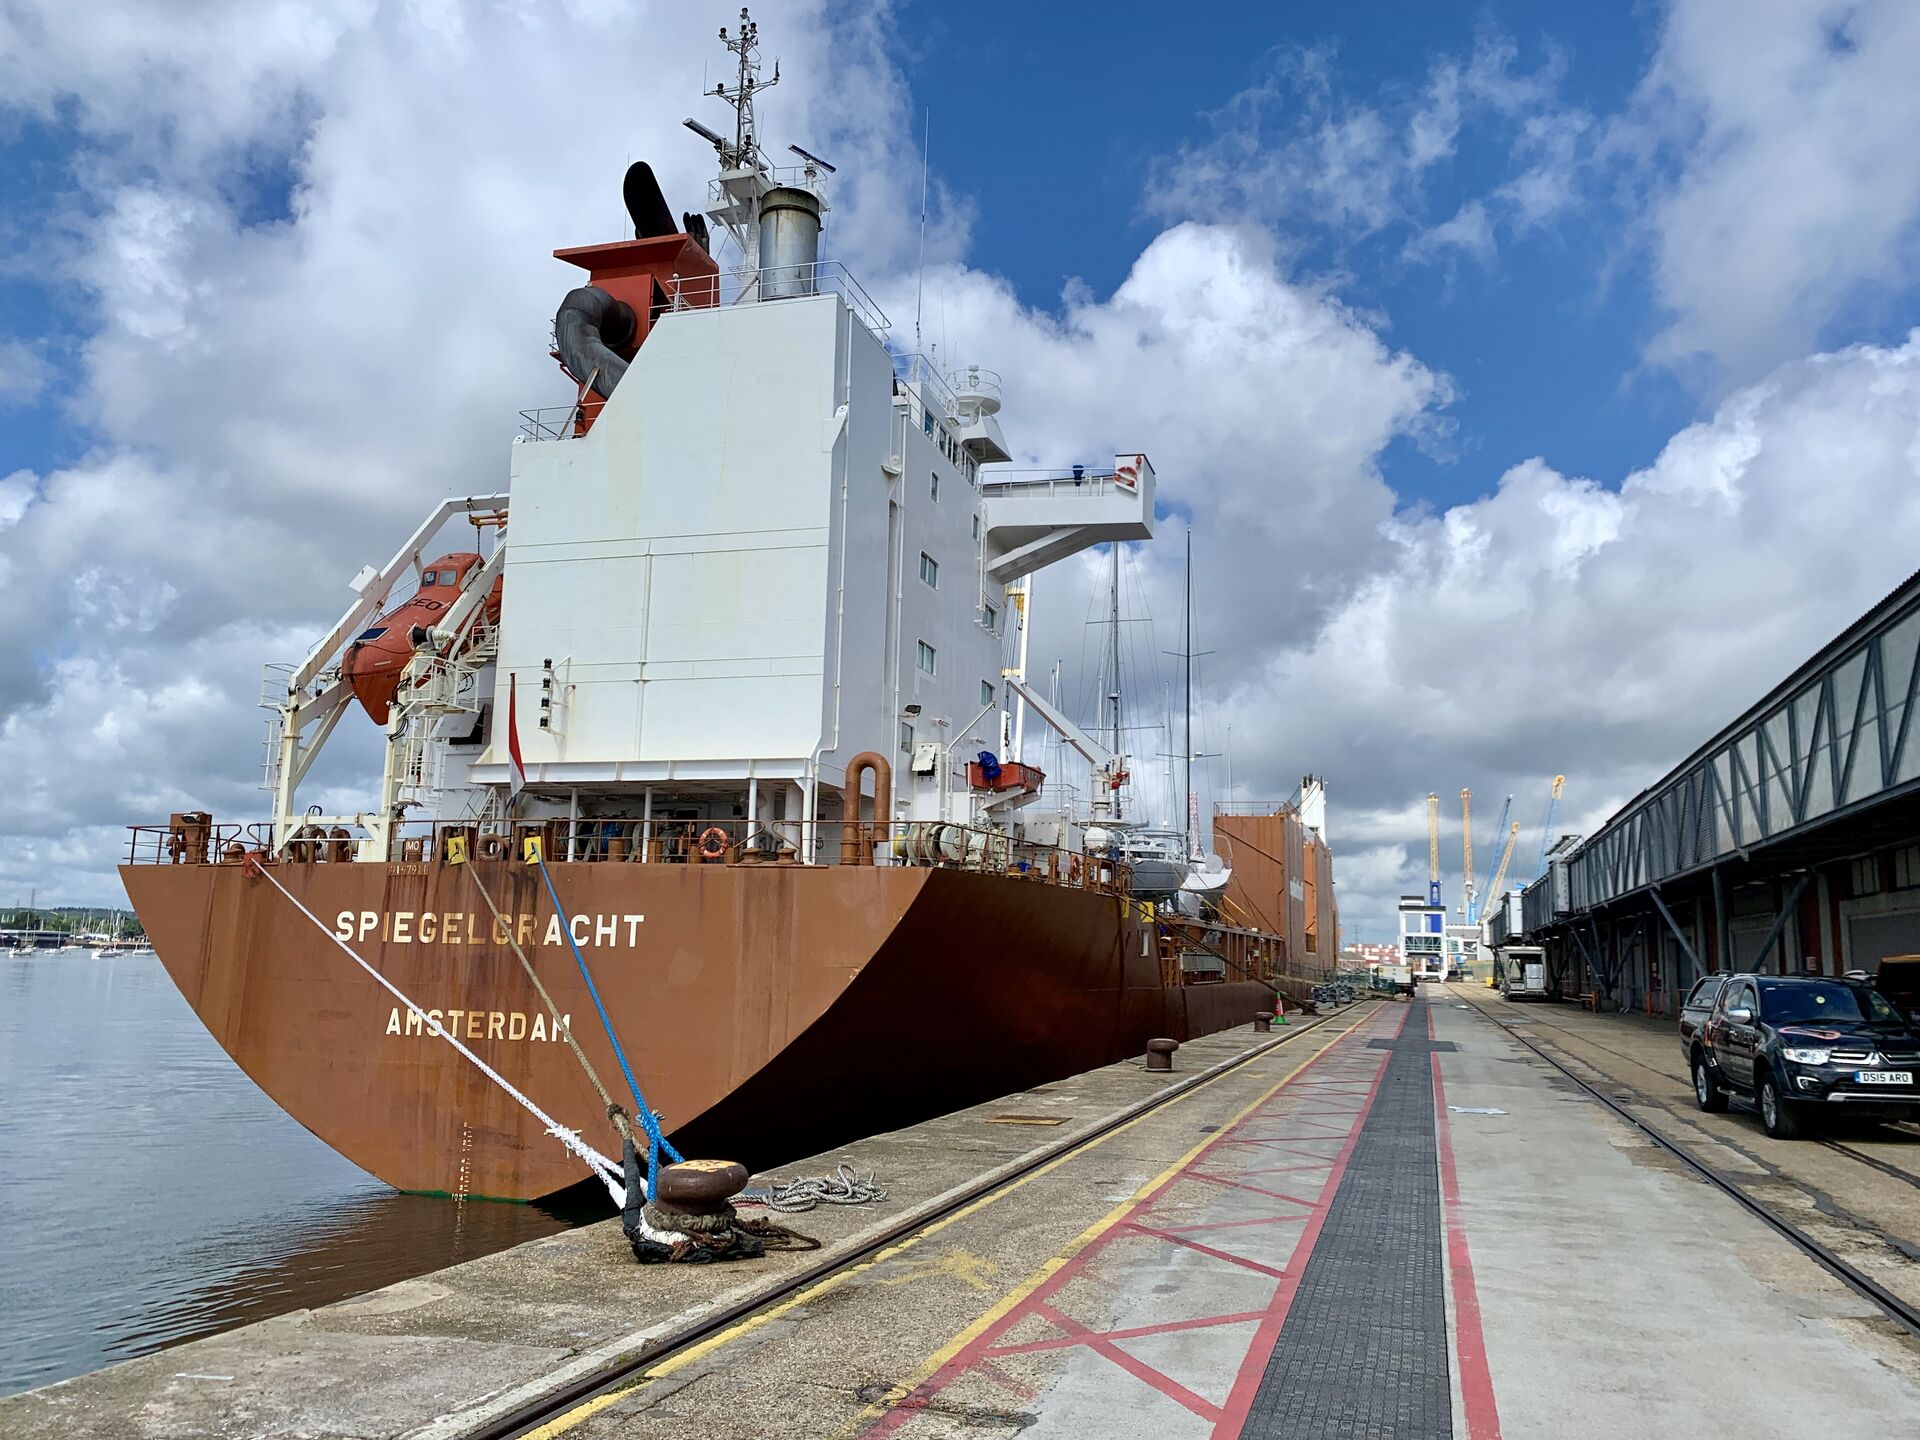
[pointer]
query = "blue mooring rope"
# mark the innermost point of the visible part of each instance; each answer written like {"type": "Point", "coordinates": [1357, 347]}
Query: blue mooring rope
{"type": "Point", "coordinates": [656, 1142]}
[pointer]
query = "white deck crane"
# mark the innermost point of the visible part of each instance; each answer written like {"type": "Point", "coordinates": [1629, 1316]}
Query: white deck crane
{"type": "Point", "coordinates": [1109, 769]}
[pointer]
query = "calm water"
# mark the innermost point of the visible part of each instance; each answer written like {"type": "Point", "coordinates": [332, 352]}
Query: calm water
{"type": "Point", "coordinates": [150, 1193]}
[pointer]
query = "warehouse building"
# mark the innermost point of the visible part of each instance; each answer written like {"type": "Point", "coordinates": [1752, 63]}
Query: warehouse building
{"type": "Point", "coordinates": [1787, 843]}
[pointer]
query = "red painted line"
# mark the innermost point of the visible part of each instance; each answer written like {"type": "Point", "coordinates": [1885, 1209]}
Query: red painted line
{"type": "Point", "coordinates": [1173, 1239]}
{"type": "Point", "coordinates": [1476, 1379]}
{"type": "Point", "coordinates": [1062, 1342]}
{"type": "Point", "coordinates": [1283, 1169]}
{"type": "Point", "coordinates": [1236, 1224]}
{"type": "Point", "coordinates": [969, 1356]}
{"type": "Point", "coordinates": [1288, 1140]}
{"type": "Point", "coordinates": [1255, 1189]}
{"type": "Point", "coordinates": [1139, 1369]}
{"type": "Point", "coordinates": [1247, 1383]}
{"type": "Point", "coordinates": [1013, 1384]}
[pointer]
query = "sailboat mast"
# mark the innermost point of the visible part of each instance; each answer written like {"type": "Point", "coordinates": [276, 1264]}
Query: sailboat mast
{"type": "Point", "coordinates": [1113, 632]}
{"type": "Point", "coordinates": [1193, 838]}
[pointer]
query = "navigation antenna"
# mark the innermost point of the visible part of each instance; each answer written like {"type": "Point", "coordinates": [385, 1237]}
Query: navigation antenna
{"type": "Point", "coordinates": [746, 46]}
{"type": "Point", "coordinates": [744, 177]}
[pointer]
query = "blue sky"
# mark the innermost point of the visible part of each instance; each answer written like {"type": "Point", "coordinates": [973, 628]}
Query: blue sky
{"type": "Point", "coordinates": [1544, 345]}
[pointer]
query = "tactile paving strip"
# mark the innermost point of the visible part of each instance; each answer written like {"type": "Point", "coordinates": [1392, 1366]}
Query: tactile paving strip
{"type": "Point", "coordinates": [1363, 1352]}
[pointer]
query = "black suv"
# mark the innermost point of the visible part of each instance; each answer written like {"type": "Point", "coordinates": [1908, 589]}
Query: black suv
{"type": "Point", "coordinates": [1791, 1043]}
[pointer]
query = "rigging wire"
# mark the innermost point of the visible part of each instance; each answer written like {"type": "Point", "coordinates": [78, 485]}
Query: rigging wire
{"type": "Point", "coordinates": [595, 1161]}
{"type": "Point", "coordinates": [656, 1141]}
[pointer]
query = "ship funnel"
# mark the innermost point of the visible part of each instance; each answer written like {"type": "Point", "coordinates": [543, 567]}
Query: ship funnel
{"type": "Point", "coordinates": [646, 206]}
{"type": "Point", "coordinates": [789, 243]}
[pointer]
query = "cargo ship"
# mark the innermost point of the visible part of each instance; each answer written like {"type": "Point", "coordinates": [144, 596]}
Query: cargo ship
{"type": "Point", "coordinates": [726, 660]}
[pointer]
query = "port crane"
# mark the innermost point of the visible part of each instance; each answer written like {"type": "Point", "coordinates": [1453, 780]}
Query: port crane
{"type": "Point", "coordinates": [1546, 827]}
{"type": "Point", "coordinates": [1466, 850]}
{"type": "Point", "coordinates": [1433, 848]}
{"type": "Point", "coordinates": [1500, 871]}
{"type": "Point", "coordinates": [1499, 828]}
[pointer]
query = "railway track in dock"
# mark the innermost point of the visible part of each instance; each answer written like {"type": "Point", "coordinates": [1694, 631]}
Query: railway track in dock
{"type": "Point", "coordinates": [555, 1411]}
{"type": "Point", "coordinates": [1628, 1100]}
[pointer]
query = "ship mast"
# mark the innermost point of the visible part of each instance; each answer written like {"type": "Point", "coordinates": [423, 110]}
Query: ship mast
{"type": "Point", "coordinates": [1113, 631]}
{"type": "Point", "coordinates": [744, 178]}
{"type": "Point", "coordinates": [1186, 650]}
{"type": "Point", "coordinates": [745, 153]}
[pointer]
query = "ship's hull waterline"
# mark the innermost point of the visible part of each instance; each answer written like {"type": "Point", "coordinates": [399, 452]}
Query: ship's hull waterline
{"type": "Point", "coordinates": [769, 1011]}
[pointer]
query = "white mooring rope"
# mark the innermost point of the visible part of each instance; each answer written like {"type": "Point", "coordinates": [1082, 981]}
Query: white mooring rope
{"type": "Point", "coordinates": [595, 1161]}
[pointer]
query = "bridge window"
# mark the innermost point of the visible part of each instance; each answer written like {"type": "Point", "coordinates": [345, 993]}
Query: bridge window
{"type": "Point", "coordinates": [925, 658]}
{"type": "Point", "coordinates": [934, 488]}
{"type": "Point", "coordinates": [929, 570]}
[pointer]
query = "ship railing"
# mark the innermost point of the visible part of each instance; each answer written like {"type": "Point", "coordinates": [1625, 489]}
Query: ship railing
{"type": "Point", "coordinates": [551, 422]}
{"type": "Point", "coordinates": [996, 479]}
{"type": "Point", "coordinates": [769, 285]}
{"type": "Point", "coordinates": [916, 371]}
{"type": "Point", "coordinates": [195, 839]}
{"type": "Point", "coordinates": [1204, 952]}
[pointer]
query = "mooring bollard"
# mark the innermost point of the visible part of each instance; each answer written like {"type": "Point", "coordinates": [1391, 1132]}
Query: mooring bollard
{"type": "Point", "coordinates": [1263, 1023]}
{"type": "Point", "coordinates": [1160, 1054]}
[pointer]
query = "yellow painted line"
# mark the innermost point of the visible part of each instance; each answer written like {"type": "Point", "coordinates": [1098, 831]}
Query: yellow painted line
{"type": "Point", "coordinates": [562, 1423]}
{"type": "Point", "coordinates": [932, 1364]}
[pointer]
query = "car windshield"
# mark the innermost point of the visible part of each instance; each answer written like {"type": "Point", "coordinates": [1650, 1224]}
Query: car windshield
{"type": "Point", "coordinates": [1810, 1003]}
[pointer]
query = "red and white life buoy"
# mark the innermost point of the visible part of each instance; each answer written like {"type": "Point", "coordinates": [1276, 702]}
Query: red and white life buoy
{"type": "Point", "coordinates": [712, 843]}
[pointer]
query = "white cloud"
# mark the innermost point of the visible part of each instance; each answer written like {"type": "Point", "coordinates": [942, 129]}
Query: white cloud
{"type": "Point", "coordinates": [1295, 150]}
{"type": "Point", "coordinates": [1469, 233]}
{"type": "Point", "coordinates": [23, 373]}
{"type": "Point", "coordinates": [1794, 190]}
{"type": "Point", "coordinates": [1559, 625]}
{"type": "Point", "coordinates": [275, 399]}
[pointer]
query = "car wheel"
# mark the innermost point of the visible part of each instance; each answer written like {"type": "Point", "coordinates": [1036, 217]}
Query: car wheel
{"type": "Point", "coordinates": [1706, 1094]}
{"type": "Point", "coordinates": [1777, 1115]}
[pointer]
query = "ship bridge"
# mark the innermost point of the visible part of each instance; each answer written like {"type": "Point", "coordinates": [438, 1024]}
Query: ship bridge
{"type": "Point", "coordinates": [1036, 518]}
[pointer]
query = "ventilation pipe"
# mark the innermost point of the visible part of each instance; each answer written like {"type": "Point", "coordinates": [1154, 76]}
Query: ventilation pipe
{"type": "Point", "coordinates": [591, 328]}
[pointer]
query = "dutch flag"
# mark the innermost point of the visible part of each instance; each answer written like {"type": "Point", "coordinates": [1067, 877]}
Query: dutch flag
{"type": "Point", "coordinates": [516, 767]}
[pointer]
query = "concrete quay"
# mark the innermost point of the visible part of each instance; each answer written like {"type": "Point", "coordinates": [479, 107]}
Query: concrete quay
{"type": "Point", "coordinates": [437, 1356]}
{"type": "Point", "coordinates": [1400, 1222]}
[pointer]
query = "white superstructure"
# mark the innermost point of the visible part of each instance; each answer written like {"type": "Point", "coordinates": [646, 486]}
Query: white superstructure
{"type": "Point", "coordinates": [772, 548]}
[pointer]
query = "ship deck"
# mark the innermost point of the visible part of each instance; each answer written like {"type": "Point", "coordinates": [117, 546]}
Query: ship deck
{"type": "Point", "coordinates": [1402, 1220]}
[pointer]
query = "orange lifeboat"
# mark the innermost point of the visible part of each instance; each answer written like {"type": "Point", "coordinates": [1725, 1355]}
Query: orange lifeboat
{"type": "Point", "coordinates": [379, 654]}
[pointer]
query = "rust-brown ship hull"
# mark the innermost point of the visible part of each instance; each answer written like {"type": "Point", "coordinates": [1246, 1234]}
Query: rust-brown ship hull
{"type": "Point", "coordinates": [769, 1011]}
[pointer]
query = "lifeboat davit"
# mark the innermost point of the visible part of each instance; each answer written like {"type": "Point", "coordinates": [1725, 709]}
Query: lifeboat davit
{"type": "Point", "coordinates": [378, 655]}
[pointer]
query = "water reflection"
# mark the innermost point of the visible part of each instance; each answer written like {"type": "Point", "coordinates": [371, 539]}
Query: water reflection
{"type": "Point", "coordinates": [149, 1192]}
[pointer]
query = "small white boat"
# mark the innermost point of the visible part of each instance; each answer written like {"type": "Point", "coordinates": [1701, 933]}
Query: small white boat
{"type": "Point", "coordinates": [1200, 892]}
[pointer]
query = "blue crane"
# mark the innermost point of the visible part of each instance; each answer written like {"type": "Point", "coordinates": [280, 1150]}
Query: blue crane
{"type": "Point", "coordinates": [1546, 828]}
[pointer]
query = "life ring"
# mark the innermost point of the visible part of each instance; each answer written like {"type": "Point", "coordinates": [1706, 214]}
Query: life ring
{"type": "Point", "coordinates": [712, 843]}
